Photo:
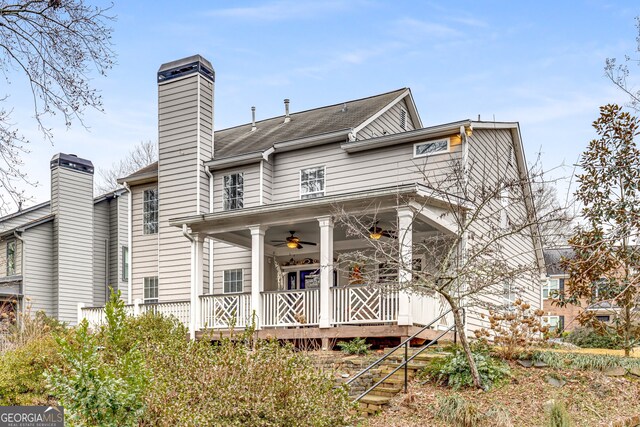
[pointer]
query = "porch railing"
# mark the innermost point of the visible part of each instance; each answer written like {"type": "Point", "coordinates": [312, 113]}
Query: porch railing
{"type": "Point", "coordinates": [94, 315]}
{"type": "Point", "coordinates": [181, 310]}
{"type": "Point", "coordinates": [363, 304]}
{"type": "Point", "coordinates": [224, 311]}
{"type": "Point", "coordinates": [425, 308]}
{"type": "Point", "coordinates": [291, 308]}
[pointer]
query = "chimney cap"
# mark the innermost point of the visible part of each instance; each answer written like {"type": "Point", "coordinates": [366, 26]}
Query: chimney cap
{"type": "Point", "coordinates": [189, 65]}
{"type": "Point", "coordinates": [71, 161]}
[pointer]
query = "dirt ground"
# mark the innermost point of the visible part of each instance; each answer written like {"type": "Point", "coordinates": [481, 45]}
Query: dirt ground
{"type": "Point", "coordinates": [592, 399]}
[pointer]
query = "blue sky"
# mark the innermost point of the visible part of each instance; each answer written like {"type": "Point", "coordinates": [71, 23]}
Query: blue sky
{"type": "Point", "coordinates": [539, 63]}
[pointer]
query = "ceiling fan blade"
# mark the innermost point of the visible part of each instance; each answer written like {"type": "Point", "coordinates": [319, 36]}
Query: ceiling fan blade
{"type": "Point", "coordinates": [300, 246]}
{"type": "Point", "coordinates": [308, 243]}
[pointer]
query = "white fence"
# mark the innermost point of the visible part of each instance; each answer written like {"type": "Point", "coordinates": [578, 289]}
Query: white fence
{"type": "Point", "coordinates": [178, 309]}
{"type": "Point", "coordinates": [225, 311]}
{"type": "Point", "coordinates": [362, 304]}
{"type": "Point", "coordinates": [291, 308]}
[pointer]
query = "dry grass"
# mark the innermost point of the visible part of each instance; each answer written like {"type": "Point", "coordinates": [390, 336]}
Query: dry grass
{"type": "Point", "coordinates": [635, 353]}
{"type": "Point", "coordinates": [591, 398]}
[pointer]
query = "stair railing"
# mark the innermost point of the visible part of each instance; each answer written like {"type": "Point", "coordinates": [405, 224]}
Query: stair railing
{"type": "Point", "coordinates": [407, 359]}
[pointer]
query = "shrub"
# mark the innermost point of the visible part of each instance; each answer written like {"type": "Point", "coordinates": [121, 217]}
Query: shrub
{"type": "Point", "coordinates": [557, 416]}
{"type": "Point", "coordinates": [456, 411]}
{"type": "Point", "coordinates": [355, 346]}
{"type": "Point", "coordinates": [584, 361]}
{"type": "Point", "coordinates": [102, 380]}
{"type": "Point", "coordinates": [228, 383]}
{"type": "Point", "coordinates": [453, 370]}
{"type": "Point", "coordinates": [22, 371]}
{"type": "Point", "coordinates": [586, 337]}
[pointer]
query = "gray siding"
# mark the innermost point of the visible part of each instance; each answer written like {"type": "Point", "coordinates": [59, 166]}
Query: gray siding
{"type": "Point", "coordinates": [100, 251]}
{"type": "Point", "coordinates": [122, 241]}
{"type": "Point", "coordinates": [23, 218]}
{"type": "Point", "coordinates": [267, 182]}
{"type": "Point", "coordinates": [185, 108]}
{"type": "Point", "coordinates": [389, 122]}
{"type": "Point", "coordinates": [38, 280]}
{"type": "Point", "coordinates": [144, 253]}
{"type": "Point", "coordinates": [114, 280]}
{"type": "Point", "coordinates": [225, 257]}
{"type": "Point", "coordinates": [72, 201]}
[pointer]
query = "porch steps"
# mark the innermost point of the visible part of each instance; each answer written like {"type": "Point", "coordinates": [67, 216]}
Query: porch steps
{"type": "Point", "coordinates": [378, 398]}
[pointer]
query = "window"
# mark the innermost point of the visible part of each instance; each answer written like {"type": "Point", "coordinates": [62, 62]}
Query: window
{"type": "Point", "coordinates": [508, 293]}
{"type": "Point", "coordinates": [504, 210]}
{"type": "Point", "coordinates": [312, 182]}
{"type": "Point", "coordinates": [233, 191]}
{"type": "Point", "coordinates": [125, 263]}
{"type": "Point", "coordinates": [403, 119]}
{"type": "Point", "coordinates": [424, 149]}
{"type": "Point", "coordinates": [603, 318]}
{"type": "Point", "coordinates": [387, 273]}
{"type": "Point", "coordinates": [150, 212]}
{"type": "Point", "coordinates": [555, 323]}
{"type": "Point", "coordinates": [232, 281]}
{"type": "Point", "coordinates": [552, 288]}
{"type": "Point", "coordinates": [151, 289]}
{"type": "Point", "coordinates": [11, 258]}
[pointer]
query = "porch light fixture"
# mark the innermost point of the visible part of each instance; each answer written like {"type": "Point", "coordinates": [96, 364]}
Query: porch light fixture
{"type": "Point", "coordinates": [292, 244]}
{"type": "Point", "coordinates": [375, 233]}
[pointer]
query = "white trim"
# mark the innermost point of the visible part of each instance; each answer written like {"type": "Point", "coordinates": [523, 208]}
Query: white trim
{"type": "Point", "coordinates": [130, 241]}
{"type": "Point", "coordinates": [198, 154]}
{"type": "Point", "coordinates": [324, 186]}
{"type": "Point", "coordinates": [433, 153]}
{"type": "Point", "coordinates": [261, 183]}
{"type": "Point", "coordinates": [380, 112]}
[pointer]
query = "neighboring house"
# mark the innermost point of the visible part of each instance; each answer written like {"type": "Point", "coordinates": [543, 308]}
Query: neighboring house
{"type": "Point", "coordinates": [565, 318]}
{"type": "Point", "coordinates": [240, 221]}
{"type": "Point", "coordinates": [67, 251]}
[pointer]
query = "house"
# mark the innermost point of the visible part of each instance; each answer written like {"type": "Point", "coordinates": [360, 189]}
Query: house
{"type": "Point", "coordinates": [67, 251]}
{"type": "Point", "coordinates": [557, 278]}
{"type": "Point", "coordinates": [238, 224]}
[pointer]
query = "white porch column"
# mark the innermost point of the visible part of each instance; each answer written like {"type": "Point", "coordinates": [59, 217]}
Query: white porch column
{"type": "Point", "coordinates": [257, 271]}
{"type": "Point", "coordinates": [326, 270]}
{"type": "Point", "coordinates": [197, 278]}
{"type": "Point", "coordinates": [406, 216]}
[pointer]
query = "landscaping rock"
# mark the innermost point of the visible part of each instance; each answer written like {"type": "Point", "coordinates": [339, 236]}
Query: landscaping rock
{"type": "Point", "coordinates": [539, 364]}
{"type": "Point", "coordinates": [615, 372]}
{"type": "Point", "coordinates": [345, 375]}
{"type": "Point", "coordinates": [556, 382]}
{"type": "Point", "coordinates": [525, 363]}
{"type": "Point", "coordinates": [635, 372]}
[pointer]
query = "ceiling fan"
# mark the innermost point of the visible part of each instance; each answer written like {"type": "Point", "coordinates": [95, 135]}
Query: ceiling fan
{"type": "Point", "coordinates": [376, 232]}
{"type": "Point", "coordinates": [293, 242]}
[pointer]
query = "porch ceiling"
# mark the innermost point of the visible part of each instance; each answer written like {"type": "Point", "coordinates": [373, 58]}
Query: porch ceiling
{"type": "Point", "coordinates": [293, 215]}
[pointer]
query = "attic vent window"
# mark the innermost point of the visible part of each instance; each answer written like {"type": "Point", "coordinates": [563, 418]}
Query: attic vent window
{"type": "Point", "coordinates": [429, 148]}
{"type": "Point", "coordinates": [403, 119]}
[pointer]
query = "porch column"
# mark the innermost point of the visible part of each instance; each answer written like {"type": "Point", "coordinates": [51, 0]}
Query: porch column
{"type": "Point", "coordinates": [326, 270]}
{"type": "Point", "coordinates": [257, 271]}
{"type": "Point", "coordinates": [406, 216]}
{"type": "Point", "coordinates": [197, 278]}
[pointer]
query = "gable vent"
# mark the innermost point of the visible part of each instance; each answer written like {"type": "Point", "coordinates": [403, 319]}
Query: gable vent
{"type": "Point", "coordinates": [403, 119]}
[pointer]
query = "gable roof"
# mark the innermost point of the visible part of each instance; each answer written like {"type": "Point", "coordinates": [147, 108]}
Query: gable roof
{"type": "Point", "coordinates": [241, 140]}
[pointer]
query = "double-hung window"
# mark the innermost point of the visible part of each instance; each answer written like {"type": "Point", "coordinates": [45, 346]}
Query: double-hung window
{"type": "Point", "coordinates": [150, 211]}
{"type": "Point", "coordinates": [552, 288]}
{"type": "Point", "coordinates": [151, 290]}
{"type": "Point", "coordinates": [11, 258]}
{"type": "Point", "coordinates": [555, 323]}
{"type": "Point", "coordinates": [232, 281]}
{"type": "Point", "coordinates": [312, 182]}
{"type": "Point", "coordinates": [125, 263]}
{"type": "Point", "coordinates": [233, 191]}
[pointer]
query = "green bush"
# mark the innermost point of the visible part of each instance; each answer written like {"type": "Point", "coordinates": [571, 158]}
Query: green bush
{"type": "Point", "coordinates": [102, 380]}
{"type": "Point", "coordinates": [586, 337]}
{"type": "Point", "coordinates": [355, 346]}
{"type": "Point", "coordinates": [454, 371]}
{"type": "Point", "coordinates": [229, 383]}
{"type": "Point", "coordinates": [557, 416]}
{"type": "Point", "coordinates": [22, 370]}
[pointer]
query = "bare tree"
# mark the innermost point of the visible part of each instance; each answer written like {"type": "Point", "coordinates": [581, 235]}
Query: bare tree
{"type": "Point", "coordinates": [486, 263]}
{"type": "Point", "coordinates": [55, 46]}
{"type": "Point", "coordinates": [143, 154]}
{"type": "Point", "coordinates": [618, 72]}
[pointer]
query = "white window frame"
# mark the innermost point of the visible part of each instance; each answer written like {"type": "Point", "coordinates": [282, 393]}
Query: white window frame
{"type": "Point", "coordinates": [226, 200]}
{"type": "Point", "coordinates": [432, 153]}
{"type": "Point", "coordinates": [547, 321]}
{"type": "Point", "coordinates": [548, 288]}
{"type": "Point", "coordinates": [317, 193]}
{"type": "Point", "coordinates": [508, 294]}
{"type": "Point", "coordinates": [11, 261]}
{"type": "Point", "coordinates": [125, 263]}
{"type": "Point", "coordinates": [149, 226]}
{"type": "Point", "coordinates": [224, 280]}
{"type": "Point", "coordinates": [149, 299]}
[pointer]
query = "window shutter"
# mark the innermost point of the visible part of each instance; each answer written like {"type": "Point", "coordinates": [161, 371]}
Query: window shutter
{"type": "Point", "coordinates": [561, 324]}
{"type": "Point", "coordinates": [561, 286]}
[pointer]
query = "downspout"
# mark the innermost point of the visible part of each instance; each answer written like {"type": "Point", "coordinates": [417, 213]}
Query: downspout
{"type": "Point", "coordinates": [22, 269]}
{"type": "Point", "coordinates": [465, 236]}
{"type": "Point", "coordinates": [193, 290]}
{"type": "Point", "coordinates": [210, 175]}
{"type": "Point", "coordinates": [129, 244]}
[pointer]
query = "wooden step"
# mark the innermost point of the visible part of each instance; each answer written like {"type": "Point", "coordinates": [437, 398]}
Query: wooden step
{"type": "Point", "coordinates": [375, 400]}
{"type": "Point", "coordinates": [412, 366]}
